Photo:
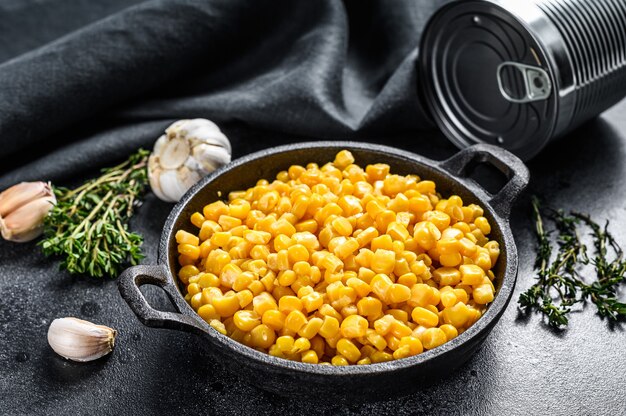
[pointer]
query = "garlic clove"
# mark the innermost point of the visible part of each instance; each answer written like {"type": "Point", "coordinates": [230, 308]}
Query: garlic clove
{"type": "Point", "coordinates": [25, 223]}
{"type": "Point", "coordinates": [210, 157]}
{"type": "Point", "coordinates": [154, 172]}
{"type": "Point", "coordinates": [79, 340]}
{"type": "Point", "coordinates": [21, 194]}
{"type": "Point", "coordinates": [171, 186]}
{"type": "Point", "coordinates": [187, 177]}
{"type": "Point", "coordinates": [23, 208]}
{"type": "Point", "coordinates": [158, 145]}
{"type": "Point", "coordinates": [174, 153]}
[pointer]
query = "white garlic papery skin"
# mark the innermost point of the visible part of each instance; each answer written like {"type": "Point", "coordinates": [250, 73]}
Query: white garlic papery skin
{"type": "Point", "coordinates": [188, 151]}
{"type": "Point", "coordinates": [23, 208]}
{"type": "Point", "coordinates": [79, 340]}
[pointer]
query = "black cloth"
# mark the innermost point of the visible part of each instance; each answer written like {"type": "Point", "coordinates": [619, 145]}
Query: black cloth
{"type": "Point", "coordinates": [84, 83]}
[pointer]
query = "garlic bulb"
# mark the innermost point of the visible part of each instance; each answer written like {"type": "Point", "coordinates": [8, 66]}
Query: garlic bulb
{"type": "Point", "coordinates": [80, 340]}
{"type": "Point", "coordinates": [23, 208]}
{"type": "Point", "coordinates": [189, 150]}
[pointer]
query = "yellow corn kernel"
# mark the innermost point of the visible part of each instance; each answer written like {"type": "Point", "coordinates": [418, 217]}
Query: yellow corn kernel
{"type": "Point", "coordinates": [408, 279]}
{"type": "Point", "coordinates": [483, 294]}
{"type": "Point", "coordinates": [214, 210]}
{"type": "Point", "coordinates": [426, 234]}
{"type": "Point", "coordinates": [462, 294]}
{"type": "Point", "coordinates": [330, 327]}
{"type": "Point", "coordinates": [285, 343]}
{"type": "Point", "coordinates": [383, 220]}
{"type": "Point", "coordinates": [243, 280]}
{"type": "Point", "coordinates": [383, 325]}
{"type": "Point", "coordinates": [380, 284]}
{"type": "Point", "coordinates": [310, 357]}
{"type": "Point", "coordinates": [208, 280]}
{"type": "Point", "coordinates": [347, 349]}
{"type": "Point", "coordinates": [330, 262]}
{"type": "Point", "coordinates": [191, 251]}
{"type": "Point", "coordinates": [338, 360]}
{"type": "Point", "coordinates": [246, 320]}
{"type": "Point", "coordinates": [307, 226]}
{"type": "Point", "coordinates": [370, 307]}
{"type": "Point", "coordinates": [383, 261]}
{"type": "Point", "coordinates": [262, 336]}
{"type": "Point", "coordinates": [227, 222]}
{"type": "Point", "coordinates": [183, 237]}
{"type": "Point", "coordinates": [361, 288]}
{"type": "Point", "coordinates": [457, 315]}
{"type": "Point", "coordinates": [301, 345]}
{"type": "Point", "coordinates": [448, 246]}
{"type": "Point", "coordinates": [384, 242]}
{"type": "Point", "coordinates": [399, 329]}
{"type": "Point", "coordinates": [432, 338]}
{"type": "Point", "coordinates": [312, 301]}
{"type": "Point", "coordinates": [186, 272]}
{"type": "Point", "coordinates": [342, 226]}
{"type": "Point", "coordinates": [263, 302]}
{"type": "Point", "coordinates": [208, 313]}
{"type": "Point", "coordinates": [286, 304]}
{"type": "Point", "coordinates": [274, 319]}
{"type": "Point", "coordinates": [245, 298]}
{"type": "Point", "coordinates": [193, 288]}
{"type": "Point", "coordinates": [381, 357]}
{"type": "Point", "coordinates": [311, 328]}
{"type": "Point", "coordinates": [402, 352]}
{"type": "Point", "coordinates": [295, 320]}
{"type": "Point", "coordinates": [398, 231]}
{"type": "Point", "coordinates": [471, 274]}
{"type": "Point", "coordinates": [354, 326]}
{"type": "Point", "coordinates": [377, 172]}
{"type": "Point", "coordinates": [424, 317]}
{"type": "Point", "coordinates": [350, 205]}
{"type": "Point", "coordinates": [483, 225]}
{"type": "Point", "coordinates": [345, 247]}
{"type": "Point", "coordinates": [218, 326]}
{"type": "Point", "coordinates": [421, 295]}
{"type": "Point", "coordinates": [343, 159]}
{"type": "Point", "coordinates": [450, 331]}
{"type": "Point", "coordinates": [195, 300]}
{"type": "Point", "coordinates": [448, 299]}
{"type": "Point", "coordinates": [414, 344]}
{"type": "Point", "coordinates": [197, 219]}
{"type": "Point", "coordinates": [225, 306]}
{"type": "Point", "coordinates": [398, 293]}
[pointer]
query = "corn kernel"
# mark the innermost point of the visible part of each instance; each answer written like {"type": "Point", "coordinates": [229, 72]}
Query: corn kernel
{"type": "Point", "coordinates": [483, 294]}
{"type": "Point", "coordinates": [471, 274]}
{"type": "Point", "coordinates": [274, 319]}
{"type": "Point", "coordinates": [432, 338]}
{"type": "Point", "coordinates": [354, 326]}
{"type": "Point", "coordinates": [424, 317]}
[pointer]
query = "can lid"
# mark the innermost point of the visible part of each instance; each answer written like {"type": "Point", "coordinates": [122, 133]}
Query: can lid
{"type": "Point", "coordinates": [486, 79]}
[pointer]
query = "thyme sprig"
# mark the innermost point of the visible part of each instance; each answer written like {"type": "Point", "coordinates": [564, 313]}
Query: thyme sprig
{"type": "Point", "coordinates": [88, 227]}
{"type": "Point", "coordinates": [560, 283]}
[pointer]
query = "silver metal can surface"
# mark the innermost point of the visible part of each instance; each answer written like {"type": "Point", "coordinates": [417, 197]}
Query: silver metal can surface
{"type": "Point", "coordinates": [518, 73]}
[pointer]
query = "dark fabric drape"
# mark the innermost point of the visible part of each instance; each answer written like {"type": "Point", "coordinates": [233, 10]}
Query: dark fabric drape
{"type": "Point", "coordinates": [83, 83]}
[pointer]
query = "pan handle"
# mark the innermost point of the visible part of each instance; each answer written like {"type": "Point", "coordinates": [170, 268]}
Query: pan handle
{"type": "Point", "coordinates": [134, 277]}
{"type": "Point", "coordinates": [510, 165]}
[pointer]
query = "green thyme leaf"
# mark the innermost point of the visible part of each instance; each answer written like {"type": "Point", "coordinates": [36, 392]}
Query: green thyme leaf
{"type": "Point", "coordinates": [88, 227]}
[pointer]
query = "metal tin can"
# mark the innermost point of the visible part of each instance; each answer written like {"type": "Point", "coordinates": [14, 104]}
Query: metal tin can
{"type": "Point", "coordinates": [518, 73]}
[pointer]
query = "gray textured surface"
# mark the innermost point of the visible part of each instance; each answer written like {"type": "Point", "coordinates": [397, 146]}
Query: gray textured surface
{"type": "Point", "coordinates": [523, 368]}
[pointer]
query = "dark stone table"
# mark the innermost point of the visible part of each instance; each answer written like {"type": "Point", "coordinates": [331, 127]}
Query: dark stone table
{"type": "Point", "coordinates": [523, 368]}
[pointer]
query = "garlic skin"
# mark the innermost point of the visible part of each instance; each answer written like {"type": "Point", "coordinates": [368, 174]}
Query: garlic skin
{"type": "Point", "coordinates": [23, 208]}
{"type": "Point", "coordinates": [79, 340]}
{"type": "Point", "coordinates": [188, 151]}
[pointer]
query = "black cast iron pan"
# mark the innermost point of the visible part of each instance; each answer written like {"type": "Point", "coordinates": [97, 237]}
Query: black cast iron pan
{"type": "Point", "coordinates": [287, 377]}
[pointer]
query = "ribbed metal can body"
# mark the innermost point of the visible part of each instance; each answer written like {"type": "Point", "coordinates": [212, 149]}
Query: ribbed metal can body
{"type": "Point", "coordinates": [595, 34]}
{"type": "Point", "coordinates": [519, 73]}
